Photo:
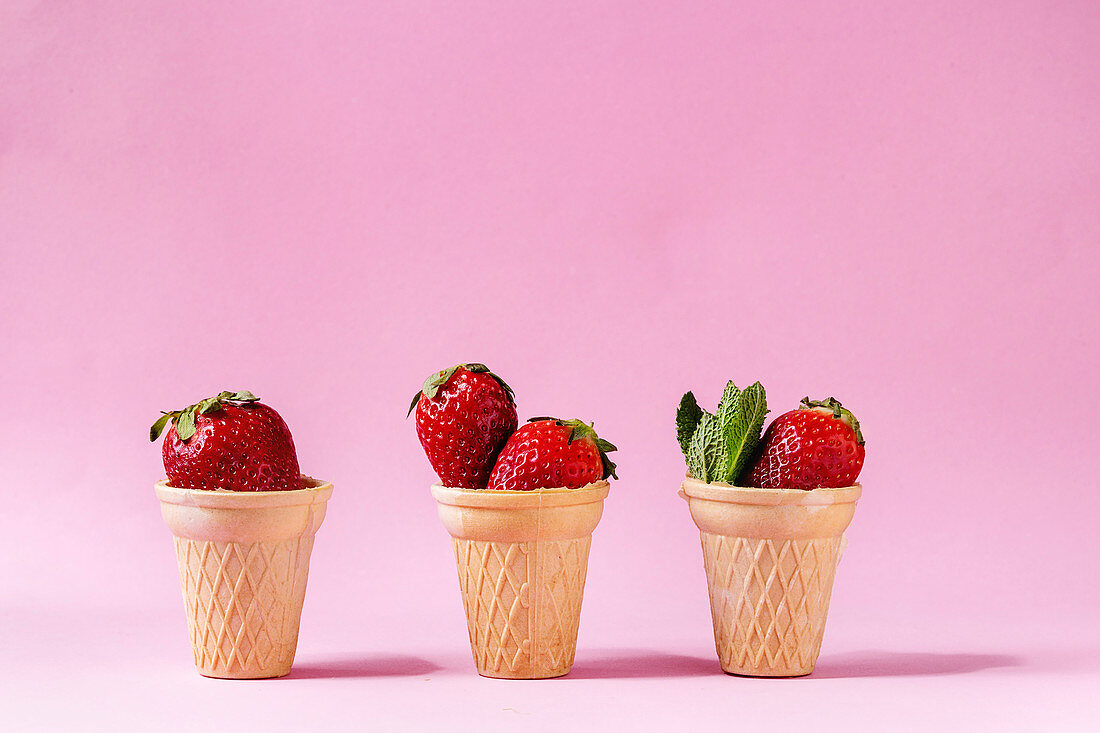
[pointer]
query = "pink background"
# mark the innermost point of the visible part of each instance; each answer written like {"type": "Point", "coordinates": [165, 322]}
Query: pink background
{"type": "Point", "coordinates": [608, 203]}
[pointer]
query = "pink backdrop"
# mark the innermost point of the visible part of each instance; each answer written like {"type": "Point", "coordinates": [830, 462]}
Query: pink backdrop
{"type": "Point", "coordinates": [608, 203]}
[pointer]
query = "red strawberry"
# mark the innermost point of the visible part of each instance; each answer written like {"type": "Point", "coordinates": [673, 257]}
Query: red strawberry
{"type": "Point", "coordinates": [819, 445]}
{"type": "Point", "coordinates": [464, 416]}
{"type": "Point", "coordinates": [230, 441]}
{"type": "Point", "coordinates": [548, 453]}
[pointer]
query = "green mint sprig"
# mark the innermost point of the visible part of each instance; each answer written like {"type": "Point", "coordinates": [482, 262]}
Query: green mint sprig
{"type": "Point", "coordinates": [719, 447]}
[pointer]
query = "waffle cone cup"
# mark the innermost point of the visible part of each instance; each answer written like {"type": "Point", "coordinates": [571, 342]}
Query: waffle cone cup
{"type": "Point", "coordinates": [243, 562]}
{"type": "Point", "coordinates": [770, 557]}
{"type": "Point", "coordinates": [522, 558]}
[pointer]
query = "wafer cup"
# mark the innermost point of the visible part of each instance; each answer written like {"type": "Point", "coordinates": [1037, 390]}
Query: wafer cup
{"type": "Point", "coordinates": [243, 562]}
{"type": "Point", "coordinates": [770, 557]}
{"type": "Point", "coordinates": [522, 558]}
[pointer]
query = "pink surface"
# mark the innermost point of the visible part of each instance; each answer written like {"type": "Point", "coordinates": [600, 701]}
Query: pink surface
{"type": "Point", "coordinates": [608, 203]}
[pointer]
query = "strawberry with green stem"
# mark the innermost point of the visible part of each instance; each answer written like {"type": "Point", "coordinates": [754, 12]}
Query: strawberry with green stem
{"type": "Point", "coordinates": [819, 445]}
{"type": "Point", "coordinates": [464, 416]}
{"type": "Point", "coordinates": [229, 441]}
{"type": "Point", "coordinates": [548, 453]}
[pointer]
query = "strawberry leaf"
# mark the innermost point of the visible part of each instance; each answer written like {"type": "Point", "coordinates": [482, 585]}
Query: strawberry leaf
{"type": "Point", "coordinates": [208, 405]}
{"type": "Point", "coordinates": [580, 430]}
{"type": "Point", "coordinates": [185, 419]}
{"type": "Point", "coordinates": [604, 447]}
{"type": "Point", "coordinates": [159, 425]}
{"type": "Point", "coordinates": [839, 411]}
{"type": "Point", "coordinates": [412, 406]}
{"type": "Point", "coordinates": [431, 386]}
{"type": "Point", "coordinates": [433, 383]}
{"type": "Point", "coordinates": [439, 379]}
{"type": "Point", "coordinates": [481, 368]}
{"type": "Point", "coordinates": [608, 467]}
{"type": "Point", "coordinates": [185, 423]}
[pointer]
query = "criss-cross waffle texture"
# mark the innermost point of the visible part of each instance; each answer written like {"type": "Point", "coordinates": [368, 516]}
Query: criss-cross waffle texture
{"type": "Point", "coordinates": [243, 562]}
{"type": "Point", "coordinates": [522, 558]}
{"type": "Point", "coordinates": [244, 604]}
{"type": "Point", "coordinates": [523, 604]}
{"type": "Point", "coordinates": [770, 557]}
{"type": "Point", "coordinates": [769, 600]}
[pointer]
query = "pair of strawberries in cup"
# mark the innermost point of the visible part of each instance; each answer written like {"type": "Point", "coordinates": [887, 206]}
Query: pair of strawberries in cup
{"type": "Point", "coordinates": [466, 421]}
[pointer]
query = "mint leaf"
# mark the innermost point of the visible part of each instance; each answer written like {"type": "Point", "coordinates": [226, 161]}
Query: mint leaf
{"type": "Point", "coordinates": [728, 405]}
{"type": "Point", "coordinates": [687, 419]}
{"type": "Point", "coordinates": [719, 447]}
{"type": "Point", "coordinates": [742, 433]}
{"type": "Point", "coordinates": [707, 450]}
{"type": "Point", "coordinates": [696, 461]}
{"type": "Point", "coordinates": [727, 415]}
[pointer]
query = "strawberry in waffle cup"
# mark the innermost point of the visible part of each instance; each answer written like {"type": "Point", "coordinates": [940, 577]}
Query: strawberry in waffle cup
{"type": "Point", "coordinates": [520, 506]}
{"type": "Point", "coordinates": [771, 514]}
{"type": "Point", "coordinates": [244, 520]}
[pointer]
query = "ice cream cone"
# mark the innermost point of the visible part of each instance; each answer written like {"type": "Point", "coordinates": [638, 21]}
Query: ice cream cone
{"type": "Point", "coordinates": [522, 557]}
{"type": "Point", "coordinates": [243, 561]}
{"type": "Point", "coordinates": [770, 556]}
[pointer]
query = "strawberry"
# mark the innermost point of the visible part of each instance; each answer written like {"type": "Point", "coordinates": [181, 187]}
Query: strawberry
{"type": "Point", "coordinates": [230, 441]}
{"type": "Point", "coordinates": [548, 453]}
{"type": "Point", "coordinates": [819, 445]}
{"type": "Point", "coordinates": [464, 416]}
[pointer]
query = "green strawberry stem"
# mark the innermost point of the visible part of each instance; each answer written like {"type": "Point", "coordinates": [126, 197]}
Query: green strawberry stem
{"type": "Point", "coordinates": [580, 430]}
{"type": "Point", "coordinates": [185, 419]}
{"type": "Point", "coordinates": [437, 381]}
{"type": "Point", "coordinates": [839, 411]}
